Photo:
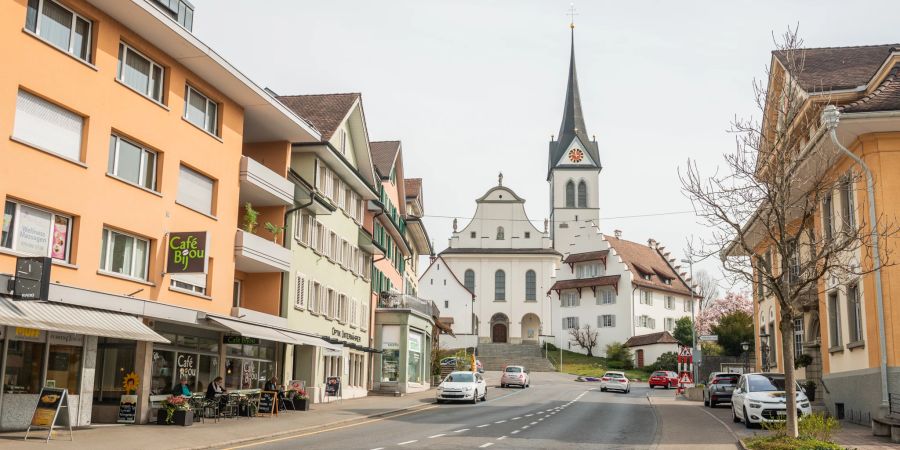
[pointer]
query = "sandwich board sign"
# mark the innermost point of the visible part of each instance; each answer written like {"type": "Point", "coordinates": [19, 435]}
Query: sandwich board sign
{"type": "Point", "coordinates": [47, 411]}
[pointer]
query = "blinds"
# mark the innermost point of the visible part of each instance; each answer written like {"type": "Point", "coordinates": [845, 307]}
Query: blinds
{"type": "Point", "coordinates": [195, 191]}
{"type": "Point", "coordinates": [194, 279]}
{"type": "Point", "coordinates": [47, 126]}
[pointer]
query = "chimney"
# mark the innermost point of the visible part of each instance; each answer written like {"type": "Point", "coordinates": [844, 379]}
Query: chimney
{"type": "Point", "coordinates": [618, 234]}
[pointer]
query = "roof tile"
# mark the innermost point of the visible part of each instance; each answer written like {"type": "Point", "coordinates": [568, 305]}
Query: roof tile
{"type": "Point", "coordinates": [662, 337]}
{"type": "Point", "coordinates": [324, 111]}
{"type": "Point", "coordinates": [831, 68]}
{"type": "Point", "coordinates": [384, 153]}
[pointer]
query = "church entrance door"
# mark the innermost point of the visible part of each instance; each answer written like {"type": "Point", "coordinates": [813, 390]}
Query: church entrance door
{"type": "Point", "coordinates": [498, 333]}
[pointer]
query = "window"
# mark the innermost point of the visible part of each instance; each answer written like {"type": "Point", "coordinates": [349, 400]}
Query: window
{"type": "Point", "coordinates": [180, 11]}
{"type": "Point", "coordinates": [500, 285]}
{"type": "Point", "coordinates": [606, 297]}
{"type": "Point", "coordinates": [472, 235]}
{"type": "Point", "coordinates": [582, 194]}
{"type": "Point", "coordinates": [314, 297]}
{"type": "Point", "coordinates": [48, 127]}
{"type": "Point", "coordinates": [300, 294]}
{"type": "Point", "coordinates": [606, 321]}
{"type": "Point", "coordinates": [132, 162]}
{"type": "Point", "coordinates": [834, 320]}
{"type": "Point", "coordinates": [687, 305]}
{"type": "Point", "coordinates": [61, 27]}
{"type": "Point", "coordinates": [36, 232]}
{"type": "Point", "coordinates": [115, 359]}
{"type": "Point", "coordinates": [527, 235]}
{"type": "Point", "coordinates": [569, 323]}
{"type": "Point", "coordinates": [646, 297]}
{"type": "Point", "coordinates": [236, 294]}
{"type": "Point", "coordinates": [670, 302]}
{"type": "Point", "coordinates": [570, 194]}
{"type": "Point", "coordinates": [64, 367]}
{"type": "Point", "coordinates": [446, 304]}
{"type": "Point", "coordinates": [500, 234]}
{"type": "Point", "coordinates": [793, 272]}
{"type": "Point", "coordinates": [646, 322]}
{"type": "Point", "coordinates": [469, 278]}
{"type": "Point", "coordinates": [195, 190]}
{"type": "Point", "coordinates": [588, 270]}
{"type": "Point", "coordinates": [201, 111]}
{"type": "Point", "coordinates": [140, 73]}
{"type": "Point", "coordinates": [24, 361]}
{"type": "Point", "coordinates": [193, 282]}
{"type": "Point", "coordinates": [530, 286]}
{"type": "Point", "coordinates": [569, 299]}
{"type": "Point", "coordinates": [827, 217]}
{"type": "Point", "coordinates": [303, 228]}
{"type": "Point", "coordinates": [670, 324]}
{"type": "Point", "coordinates": [331, 303]}
{"type": "Point", "coordinates": [847, 205]}
{"type": "Point", "coordinates": [798, 337]}
{"type": "Point", "coordinates": [854, 313]}
{"type": "Point", "coordinates": [124, 254]}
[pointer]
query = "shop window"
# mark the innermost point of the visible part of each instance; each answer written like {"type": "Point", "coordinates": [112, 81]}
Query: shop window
{"type": "Point", "coordinates": [124, 254]}
{"type": "Point", "coordinates": [414, 358]}
{"type": "Point", "coordinates": [35, 231]}
{"type": "Point", "coordinates": [23, 367]}
{"type": "Point", "coordinates": [60, 27]}
{"type": "Point", "coordinates": [162, 372]}
{"type": "Point", "coordinates": [115, 360]}
{"type": "Point", "coordinates": [64, 367]}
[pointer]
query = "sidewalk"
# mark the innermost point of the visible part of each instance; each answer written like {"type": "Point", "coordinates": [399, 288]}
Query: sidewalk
{"type": "Point", "coordinates": [684, 426]}
{"type": "Point", "coordinates": [225, 432]}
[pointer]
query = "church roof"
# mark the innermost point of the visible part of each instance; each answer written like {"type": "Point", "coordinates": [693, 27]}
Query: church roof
{"type": "Point", "coordinates": [324, 111]}
{"type": "Point", "coordinates": [644, 260]}
{"type": "Point", "coordinates": [572, 125]}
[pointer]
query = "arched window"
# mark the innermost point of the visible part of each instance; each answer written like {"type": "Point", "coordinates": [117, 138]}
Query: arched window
{"type": "Point", "coordinates": [582, 194]}
{"type": "Point", "coordinates": [500, 285]}
{"type": "Point", "coordinates": [530, 286]}
{"type": "Point", "coordinates": [469, 280]}
{"type": "Point", "coordinates": [570, 194]}
{"type": "Point", "coordinates": [500, 235]}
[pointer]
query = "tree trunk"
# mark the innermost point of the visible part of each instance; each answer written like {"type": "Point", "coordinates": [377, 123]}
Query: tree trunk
{"type": "Point", "coordinates": [790, 385]}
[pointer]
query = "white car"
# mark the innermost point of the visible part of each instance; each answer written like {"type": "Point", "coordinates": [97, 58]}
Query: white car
{"type": "Point", "coordinates": [462, 386]}
{"type": "Point", "coordinates": [615, 381]}
{"type": "Point", "coordinates": [759, 398]}
{"type": "Point", "coordinates": [514, 375]}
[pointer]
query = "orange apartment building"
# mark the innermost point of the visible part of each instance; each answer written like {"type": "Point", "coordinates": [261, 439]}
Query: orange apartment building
{"type": "Point", "coordinates": [124, 135]}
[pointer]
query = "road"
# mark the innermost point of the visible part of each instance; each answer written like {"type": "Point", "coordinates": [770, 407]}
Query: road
{"type": "Point", "coordinates": [555, 412]}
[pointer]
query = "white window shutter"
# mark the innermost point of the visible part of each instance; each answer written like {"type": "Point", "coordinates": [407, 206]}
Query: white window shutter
{"type": "Point", "coordinates": [50, 127]}
{"type": "Point", "coordinates": [195, 190]}
{"type": "Point", "coordinates": [300, 302]}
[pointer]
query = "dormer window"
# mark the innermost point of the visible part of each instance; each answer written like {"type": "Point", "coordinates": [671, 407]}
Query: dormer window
{"type": "Point", "coordinates": [646, 276]}
{"type": "Point", "coordinates": [500, 234]}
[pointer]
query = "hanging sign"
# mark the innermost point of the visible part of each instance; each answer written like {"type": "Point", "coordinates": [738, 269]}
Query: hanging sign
{"type": "Point", "coordinates": [47, 411]}
{"type": "Point", "coordinates": [186, 252]}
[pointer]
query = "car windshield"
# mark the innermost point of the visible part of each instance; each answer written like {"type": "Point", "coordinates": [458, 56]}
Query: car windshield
{"type": "Point", "coordinates": [760, 383]}
{"type": "Point", "coordinates": [614, 375]}
{"type": "Point", "coordinates": [460, 378]}
{"type": "Point", "coordinates": [659, 374]}
{"type": "Point", "coordinates": [514, 369]}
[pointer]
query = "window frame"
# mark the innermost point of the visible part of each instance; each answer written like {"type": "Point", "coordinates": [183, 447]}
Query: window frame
{"type": "Point", "coordinates": [530, 285]}
{"type": "Point", "coordinates": [141, 169]}
{"type": "Point", "coordinates": [188, 89]}
{"type": "Point", "coordinates": [854, 313]}
{"type": "Point", "coordinates": [72, 27]}
{"type": "Point", "coordinates": [106, 264]}
{"type": "Point", "coordinates": [16, 221]}
{"type": "Point", "coordinates": [124, 48]}
{"type": "Point", "coordinates": [499, 285]}
{"type": "Point", "coordinates": [834, 320]}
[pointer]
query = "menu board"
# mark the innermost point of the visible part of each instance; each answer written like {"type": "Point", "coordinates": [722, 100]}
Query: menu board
{"type": "Point", "coordinates": [49, 402]}
{"type": "Point", "coordinates": [127, 406]}
{"type": "Point", "coordinates": [267, 402]}
{"type": "Point", "coordinates": [332, 386]}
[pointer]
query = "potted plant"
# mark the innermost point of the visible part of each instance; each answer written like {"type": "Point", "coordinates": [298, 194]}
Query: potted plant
{"type": "Point", "coordinates": [810, 388]}
{"type": "Point", "coordinates": [251, 217]}
{"type": "Point", "coordinates": [299, 398]}
{"type": "Point", "coordinates": [177, 411]}
{"type": "Point", "coordinates": [802, 361]}
{"type": "Point", "coordinates": [275, 230]}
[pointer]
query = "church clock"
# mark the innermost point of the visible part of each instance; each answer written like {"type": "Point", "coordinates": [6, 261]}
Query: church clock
{"type": "Point", "coordinates": [576, 155]}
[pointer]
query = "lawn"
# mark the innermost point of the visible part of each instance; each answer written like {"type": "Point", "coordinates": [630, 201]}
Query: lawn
{"type": "Point", "coordinates": [588, 366]}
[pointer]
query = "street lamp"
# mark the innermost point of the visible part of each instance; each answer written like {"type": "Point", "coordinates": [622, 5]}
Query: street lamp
{"type": "Point", "coordinates": [764, 351]}
{"type": "Point", "coordinates": [690, 264]}
{"type": "Point", "coordinates": [745, 346]}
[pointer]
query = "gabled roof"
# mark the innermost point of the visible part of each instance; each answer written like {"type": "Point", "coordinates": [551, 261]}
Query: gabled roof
{"type": "Point", "coordinates": [324, 111]}
{"type": "Point", "coordinates": [886, 97]}
{"type": "Point", "coordinates": [581, 283]}
{"type": "Point", "coordinates": [662, 337]}
{"type": "Point", "coordinates": [413, 187]}
{"type": "Point", "coordinates": [438, 258]}
{"type": "Point", "coordinates": [499, 251]}
{"type": "Point", "coordinates": [644, 260]}
{"type": "Point", "coordinates": [384, 156]}
{"type": "Point", "coordinates": [576, 258]}
{"type": "Point", "coordinates": [832, 68]}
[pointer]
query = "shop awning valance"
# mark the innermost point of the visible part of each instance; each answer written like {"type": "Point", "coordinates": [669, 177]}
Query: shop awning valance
{"type": "Point", "coordinates": [271, 334]}
{"type": "Point", "coordinates": [53, 316]}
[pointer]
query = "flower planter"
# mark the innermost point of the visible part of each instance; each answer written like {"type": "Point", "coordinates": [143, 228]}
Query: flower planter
{"type": "Point", "coordinates": [301, 404]}
{"type": "Point", "coordinates": [180, 417]}
{"type": "Point", "coordinates": [161, 416]}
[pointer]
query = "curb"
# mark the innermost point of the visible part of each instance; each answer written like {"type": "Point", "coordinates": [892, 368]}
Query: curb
{"type": "Point", "coordinates": [742, 445]}
{"type": "Point", "coordinates": [309, 428]}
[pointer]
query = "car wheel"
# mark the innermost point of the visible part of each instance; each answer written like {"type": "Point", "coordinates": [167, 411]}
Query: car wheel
{"type": "Point", "coordinates": [484, 396]}
{"type": "Point", "coordinates": [712, 403]}
{"type": "Point", "coordinates": [602, 389]}
{"type": "Point", "coordinates": [734, 417]}
{"type": "Point", "coordinates": [475, 398]}
{"type": "Point", "coordinates": [439, 401]}
{"type": "Point", "coordinates": [705, 401]}
{"type": "Point", "coordinates": [747, 419]}
{"type": "Point", "coordinates": [502, 385]}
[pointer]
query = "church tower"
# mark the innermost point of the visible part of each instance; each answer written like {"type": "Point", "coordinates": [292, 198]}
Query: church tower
{"type": "Point", "coordinates": [573, 170]}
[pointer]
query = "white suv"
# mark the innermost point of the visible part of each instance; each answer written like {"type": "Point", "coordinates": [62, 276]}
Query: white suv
{"type": "Point", "coordinates": [760, 398]}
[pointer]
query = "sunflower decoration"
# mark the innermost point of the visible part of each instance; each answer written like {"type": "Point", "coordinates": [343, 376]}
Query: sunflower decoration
{"type": "Point", "coordinates": [130, 383]}
{"type": "Point", "coordinates": [576, 155]}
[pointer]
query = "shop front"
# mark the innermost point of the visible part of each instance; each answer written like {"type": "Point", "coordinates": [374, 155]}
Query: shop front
{"type": "Point", "coordinates": [404, 338]}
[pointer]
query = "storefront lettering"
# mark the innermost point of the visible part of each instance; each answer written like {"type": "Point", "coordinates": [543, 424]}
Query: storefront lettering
{"type": "Point", "coordinates": [186, 367]}
{"type": "Point", "coordinates": [239, 340]}
{"type": "Point", "coordinates": [187, 253]}
{"type": "Point", "coordinates": [27, 333]}
{"type": "Point", "coordinates": [345, 335]}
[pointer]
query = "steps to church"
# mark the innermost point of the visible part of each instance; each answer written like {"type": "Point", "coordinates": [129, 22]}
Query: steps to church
{"type": "Point", "coordinates": [498, 356]}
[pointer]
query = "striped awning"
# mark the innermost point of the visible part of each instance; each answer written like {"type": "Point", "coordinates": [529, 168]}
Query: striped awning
{"type": "Point", "coordinates": [270, 334]}
{"type": "Point", "coordinates": [53, 316]}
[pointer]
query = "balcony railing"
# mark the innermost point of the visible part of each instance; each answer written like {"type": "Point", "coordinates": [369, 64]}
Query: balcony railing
{"type": "Point", "coordinates": [404, 301]}
{"type": "Point", "coordinates": [255, 254]}
{"type": "Point", "coordinates": [262, 186]}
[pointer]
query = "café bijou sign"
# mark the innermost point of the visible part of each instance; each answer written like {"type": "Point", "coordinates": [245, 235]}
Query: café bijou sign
{"type": "Point", "coordinates": [187, 252]}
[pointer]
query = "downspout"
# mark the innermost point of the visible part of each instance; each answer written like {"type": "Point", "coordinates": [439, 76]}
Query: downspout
{"type": "Point", "coordinates": [830, 118]}
{"type": "Point", "coordinates": [312, 198]}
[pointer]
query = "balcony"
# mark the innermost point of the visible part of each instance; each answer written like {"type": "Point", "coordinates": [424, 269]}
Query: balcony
{"type": "Point", "coordinates": [261, 186]}
{"type": "Point", "coordinates": [404, 301]}
{"type": "Point", "coordinates": [254, 254]}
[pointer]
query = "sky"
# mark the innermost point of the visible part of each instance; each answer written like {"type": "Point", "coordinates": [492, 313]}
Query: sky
{"type": "Point", "coordinates": [476, 87]}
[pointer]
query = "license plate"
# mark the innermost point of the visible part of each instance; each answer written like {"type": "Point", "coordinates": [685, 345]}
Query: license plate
{"type": "Point", "coordinates": [782, 414]}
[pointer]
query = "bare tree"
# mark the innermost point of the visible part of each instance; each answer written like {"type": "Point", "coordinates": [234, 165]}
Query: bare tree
{"type": "Point", "coordinates": [763, 212]}
{"type": "Point", "coordinates": [585, 337]}
{"type": "Point", "coordinates": [707, 287]}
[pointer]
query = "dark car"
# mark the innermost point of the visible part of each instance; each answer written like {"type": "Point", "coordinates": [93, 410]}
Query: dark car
{"type": "Point", "coordinates": [719, 388]}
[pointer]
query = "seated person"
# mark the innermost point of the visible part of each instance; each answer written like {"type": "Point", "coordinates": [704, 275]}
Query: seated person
{"type": "Point", "coordinates": [182, 389]}
{"type": "Point", "coordinates": [272, 385]}
{"type": "Point", "coordinates": [216, 387]}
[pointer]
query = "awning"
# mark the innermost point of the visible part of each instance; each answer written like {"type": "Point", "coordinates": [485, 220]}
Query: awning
{"type": "Point", "coordinates": [53, 316]}
{"type": "Point", "coordinates": [271, 334]}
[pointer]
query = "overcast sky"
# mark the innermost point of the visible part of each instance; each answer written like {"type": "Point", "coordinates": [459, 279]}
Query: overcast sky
{"type": "Point", "coordinates": [475, 87]}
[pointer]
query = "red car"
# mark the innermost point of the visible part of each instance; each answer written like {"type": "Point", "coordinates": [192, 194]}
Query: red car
{"type": "Point", "coordinates": [663, 378]}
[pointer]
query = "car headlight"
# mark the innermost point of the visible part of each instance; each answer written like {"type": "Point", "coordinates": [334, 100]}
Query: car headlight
{"type": "Point", "coordinates": [467, 388]}
{"type": "Point", "coordinates": [440, 388]}
{"type": "Point", "coordinates": [755, 405]}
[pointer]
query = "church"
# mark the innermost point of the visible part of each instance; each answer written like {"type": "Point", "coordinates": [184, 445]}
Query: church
{"type": "Point", "coordinates": [503, 280]}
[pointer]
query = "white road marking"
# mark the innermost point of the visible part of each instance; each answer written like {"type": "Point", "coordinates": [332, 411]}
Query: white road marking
{"type": "Point", "coordinates": [486, 445]}
{"type": "Point", "coordinates": [528, 415]}
{"type": "Point", "coordinates": [524, 427]}
{"type": "Point", "coordinates": [540, 419]}
{"type": "Point", "coordinates": [501, 438]}
{"type": "Point", "coordinates": [408, 442]}
{"type": "Point", "coordinates": [436, 436]}
{"type": "Point", "coordinates": [482, 426]}
{"type": "Point", "coordinates": [514, 431]}
{"type": "Point", "coordinates": [460, 431]}
{"type": "Point", "coordinates": [379, 448]}
{"type": "Point", "coordinates": [500, 421]}
{"type": "Point", "coordinates": [533, 423]}
{"type": "Point", "coordinates": [516, 418]}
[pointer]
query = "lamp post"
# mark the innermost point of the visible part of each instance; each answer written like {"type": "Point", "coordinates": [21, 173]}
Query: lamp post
{"type": "Point", "coordinates": [690, 264]}
{"type": "Point", "coordinates": [745, 346]}
{"type": "Point", "coordinates": [764, 351]}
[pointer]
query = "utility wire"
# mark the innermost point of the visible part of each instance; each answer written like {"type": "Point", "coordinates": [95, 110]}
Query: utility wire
{"type": "Point", "coordinates": [669, 213]}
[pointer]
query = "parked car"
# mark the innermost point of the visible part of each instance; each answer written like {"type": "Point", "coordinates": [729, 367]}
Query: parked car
{"type": "Point", "coordinates": [462, 386]}
{"type": "Point", "coordinates": [760, 398]}
{"type": "Point", "coordinates": [663, 378]}
{"type": "Point", "coordinates": [515, 375]}
{"type": "Point", "coordinates": [616, 381]}
{"type": "Point", "coordinates": [719, 388]}
{"type": "Point", "coordinates": [449, 361]}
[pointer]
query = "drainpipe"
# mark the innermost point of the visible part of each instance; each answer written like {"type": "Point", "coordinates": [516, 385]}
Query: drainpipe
{"type": "Point", "coordinates": [287, 213]}
{"type": "Point", "coordinates": [830, 118]}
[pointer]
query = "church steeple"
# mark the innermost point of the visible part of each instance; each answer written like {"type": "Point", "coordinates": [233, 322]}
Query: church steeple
{"type": "Point", "coordinates": [572, 125]}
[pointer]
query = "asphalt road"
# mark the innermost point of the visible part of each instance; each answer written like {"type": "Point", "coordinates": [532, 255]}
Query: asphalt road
{"type": "Point", "coordinates": [555, 412]}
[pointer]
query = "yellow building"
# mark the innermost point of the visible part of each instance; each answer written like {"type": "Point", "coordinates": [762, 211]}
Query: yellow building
{"type": "Point", "coordinates": [854, 349]}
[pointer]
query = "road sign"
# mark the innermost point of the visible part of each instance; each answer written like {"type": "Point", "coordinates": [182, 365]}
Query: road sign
{"type": "Point", "coordinates": [685, 351]}
{"type": "Point", "coordinates": [686, 378]}
{"type": "Point", "coordinates": [710, 338]}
